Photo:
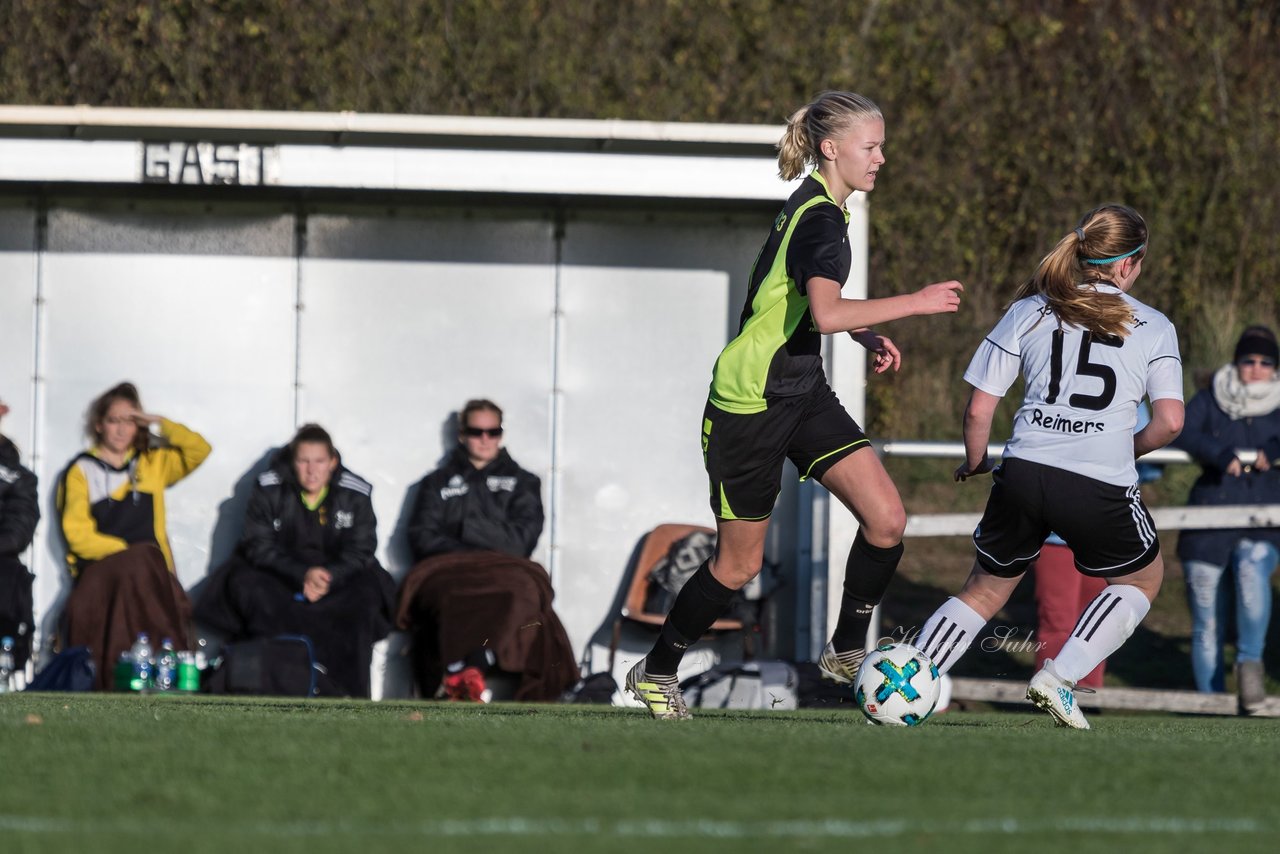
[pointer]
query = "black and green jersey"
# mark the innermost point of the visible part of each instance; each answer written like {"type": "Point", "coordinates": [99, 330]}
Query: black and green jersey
{"type": "Point", "coordinates": [777, 351]}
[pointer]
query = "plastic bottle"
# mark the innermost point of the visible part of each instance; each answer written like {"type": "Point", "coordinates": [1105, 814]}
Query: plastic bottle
{"type": "Point", "coordinates": [188, 673]}
{"type": "Point", "coordinates": [6, 665]}
{"type": "Point", "coordinates": [124, 670]}
{"type": "Point", "coordinates": [143, 664]}
{"type": "Point", "coordinates": [202, 655]}
{"type": "Point", "coordinates": [167, 667]}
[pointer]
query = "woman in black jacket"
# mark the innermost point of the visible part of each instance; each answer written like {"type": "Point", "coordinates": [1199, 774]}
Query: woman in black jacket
{"type": "Point", "coordinates": [19, 514]}
{"type": "Point", "coordinates": [473, 602]}
{"type": "Point", "coordinates": [1233, 431]}
{"type": "Point", "coordinates": [306, 564]}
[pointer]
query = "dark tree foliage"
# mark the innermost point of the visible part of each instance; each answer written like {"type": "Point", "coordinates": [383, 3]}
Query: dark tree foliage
{"type": "Point", "coordinates": [1006, 119]}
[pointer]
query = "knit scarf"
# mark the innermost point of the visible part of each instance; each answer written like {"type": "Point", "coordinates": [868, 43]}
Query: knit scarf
{"type": "Point", "coordinates": [1239, 400]}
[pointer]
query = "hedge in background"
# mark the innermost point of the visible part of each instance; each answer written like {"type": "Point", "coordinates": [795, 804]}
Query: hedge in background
{"type": "Point", "coordinates": [1006, 119]}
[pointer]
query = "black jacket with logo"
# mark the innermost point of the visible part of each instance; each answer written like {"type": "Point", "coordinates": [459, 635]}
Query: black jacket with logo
{"type": "Point", "coordinates": [462, 508]}
{"type": "Point", "coordinates": [19, 507]}
{"type": "Point", "coordinates": [277, 531]}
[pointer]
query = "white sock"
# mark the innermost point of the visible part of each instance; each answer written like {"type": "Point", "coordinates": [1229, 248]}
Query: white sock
{"type": "Point", "coordinates": [1102, 629]}
{"type": "Point", "coordinates": [949, 632]}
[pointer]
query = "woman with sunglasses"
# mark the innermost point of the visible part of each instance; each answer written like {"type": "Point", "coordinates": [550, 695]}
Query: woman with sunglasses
{"type": "Point", "coordinates": [1233, 432]}
{"type": "Point", "coordinates": [479, 498]}
{"type": "Point", "coordinates": [473, 601]}
{"type": "Point", "coordinates": [1089, 353]}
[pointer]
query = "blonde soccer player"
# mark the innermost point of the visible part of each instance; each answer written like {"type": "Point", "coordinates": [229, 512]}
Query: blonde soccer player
{"type": "Point", "coordinates": [770, 400]}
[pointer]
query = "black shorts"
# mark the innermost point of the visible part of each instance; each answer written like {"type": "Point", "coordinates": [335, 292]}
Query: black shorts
{"type": "Point", "coordinates": [744, 454]}
{"type": "Point", "coordinates": [1106, 526]}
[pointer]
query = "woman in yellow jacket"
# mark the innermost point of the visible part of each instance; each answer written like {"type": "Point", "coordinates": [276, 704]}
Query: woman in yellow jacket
{"type": "Point", "coordinates": [111, 500]}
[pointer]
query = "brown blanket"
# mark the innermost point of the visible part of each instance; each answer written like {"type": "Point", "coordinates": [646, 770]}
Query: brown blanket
{"type": "Point", "coordinates": [119, 596]}
{"type": "Point", "coordinates": [457, 603]}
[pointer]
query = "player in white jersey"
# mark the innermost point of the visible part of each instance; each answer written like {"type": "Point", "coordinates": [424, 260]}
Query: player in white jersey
{"type": "Point", "coordinates": [1089, 352]}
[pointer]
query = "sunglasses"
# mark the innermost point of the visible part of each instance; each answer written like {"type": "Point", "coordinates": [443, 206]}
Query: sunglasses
{"type": "Point", "coordinates": [477, 432]}
{"type": "Point", "coordinates": [1266, 363]}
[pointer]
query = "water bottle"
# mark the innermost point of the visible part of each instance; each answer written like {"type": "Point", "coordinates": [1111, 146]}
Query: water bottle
{"type": "Point", "coordinates": [188, 673]}
{"type": "Point", "coordinates": [202, 655]}
{"type": "Point", "coordinates": [6, 665]}
{"type": "Point", "coordinates": [143, 664]}
{"type": "Point", "coordinates": [124, 670]}
{"type": "Point", "coordinates": [167, 667]}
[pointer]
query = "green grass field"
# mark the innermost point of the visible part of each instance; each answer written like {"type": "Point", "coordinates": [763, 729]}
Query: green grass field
{"type": "Point", "coordinates": [108, 773]}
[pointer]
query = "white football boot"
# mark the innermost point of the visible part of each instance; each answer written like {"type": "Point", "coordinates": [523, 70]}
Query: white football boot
{"type": "Point", "coordinates": [1056, 697]}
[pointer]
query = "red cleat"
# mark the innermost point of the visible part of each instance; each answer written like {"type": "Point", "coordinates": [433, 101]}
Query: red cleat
{"type": "Point", "coordinates": [467, 685]}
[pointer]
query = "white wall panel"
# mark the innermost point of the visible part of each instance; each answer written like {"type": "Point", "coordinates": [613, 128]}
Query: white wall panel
{"type": "Point", "coordinates": [17, 312]}
{"type": "Point", "coordinates": [197, 310]}
{"type": "Point", "coordinates": [646, 307]}
{"type": "Point", "coordinates": [405, 320]}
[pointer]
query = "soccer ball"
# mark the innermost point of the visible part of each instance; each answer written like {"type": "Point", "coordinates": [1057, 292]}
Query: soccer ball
{"type": "Point", "coordinates": [897, 685]}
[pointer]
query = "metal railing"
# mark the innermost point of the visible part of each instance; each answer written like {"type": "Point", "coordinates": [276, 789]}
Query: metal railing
{"type": "Point", "coordinates": [1166, 518]}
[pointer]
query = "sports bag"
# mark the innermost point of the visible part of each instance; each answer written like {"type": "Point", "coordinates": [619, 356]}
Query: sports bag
{"type": "Point", "coordinates": [70, 670]}
{"type": "Point", "coordinates": [280, 666]}
{"type": "Point", "coordinates": [596, 688]}
{"type": "Point", "coordinates": [745, 685]}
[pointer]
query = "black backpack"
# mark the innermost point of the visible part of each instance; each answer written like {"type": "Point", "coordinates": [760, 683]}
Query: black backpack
{"type": "Point", "coordinates": [595, 688]}
{"type": "Point", "coordinates": [281, 666]}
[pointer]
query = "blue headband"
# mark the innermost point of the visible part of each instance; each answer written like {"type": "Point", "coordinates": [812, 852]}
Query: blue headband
{"type": "Point", "coordinates": [1100, 261]}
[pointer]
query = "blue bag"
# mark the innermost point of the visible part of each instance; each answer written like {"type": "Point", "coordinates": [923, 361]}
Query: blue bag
{"type": "Point", "coordinates": [71, 670]}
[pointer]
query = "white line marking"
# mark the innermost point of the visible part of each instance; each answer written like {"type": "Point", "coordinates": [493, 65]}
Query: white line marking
{"type": "Point", "coordinates": [657, 828]}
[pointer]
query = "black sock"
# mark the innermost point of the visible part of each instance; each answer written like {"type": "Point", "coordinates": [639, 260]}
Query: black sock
{"type": "Point", "coordinates": [701, 602]}
{"type": "Point", "coordinates": [867, 574]}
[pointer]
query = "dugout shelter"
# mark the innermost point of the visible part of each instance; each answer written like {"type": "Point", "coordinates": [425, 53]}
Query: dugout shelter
{"type": "Point", "coordinates": [253, 271]}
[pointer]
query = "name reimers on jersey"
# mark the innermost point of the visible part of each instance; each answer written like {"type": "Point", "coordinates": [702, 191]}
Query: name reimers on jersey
{"type": "Point", "coordinates": [1049, 421]}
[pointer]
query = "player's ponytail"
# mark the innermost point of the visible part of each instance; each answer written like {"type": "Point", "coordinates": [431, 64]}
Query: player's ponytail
{"type": "Point", "coordinates": [793, 148]}
{"type": "Point", "coordinates": [827, 116]}
{"type": "Point", "coordinates": [1086, 256]}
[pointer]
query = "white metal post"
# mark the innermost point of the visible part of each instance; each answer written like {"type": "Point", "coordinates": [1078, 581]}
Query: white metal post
{"type": "Point", "coordinates": [847, 371]}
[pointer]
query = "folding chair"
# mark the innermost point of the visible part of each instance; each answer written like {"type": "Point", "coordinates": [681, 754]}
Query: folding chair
{"type": "Point", "coordinates": [654, 547]}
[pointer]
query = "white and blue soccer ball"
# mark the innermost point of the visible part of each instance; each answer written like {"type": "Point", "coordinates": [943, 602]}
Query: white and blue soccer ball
{"type": "Point", "coordinates": [897, 685]}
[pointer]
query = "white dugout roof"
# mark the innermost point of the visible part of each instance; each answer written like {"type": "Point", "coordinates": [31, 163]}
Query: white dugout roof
{"type": "Point", "coordinates": [351, 151]}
